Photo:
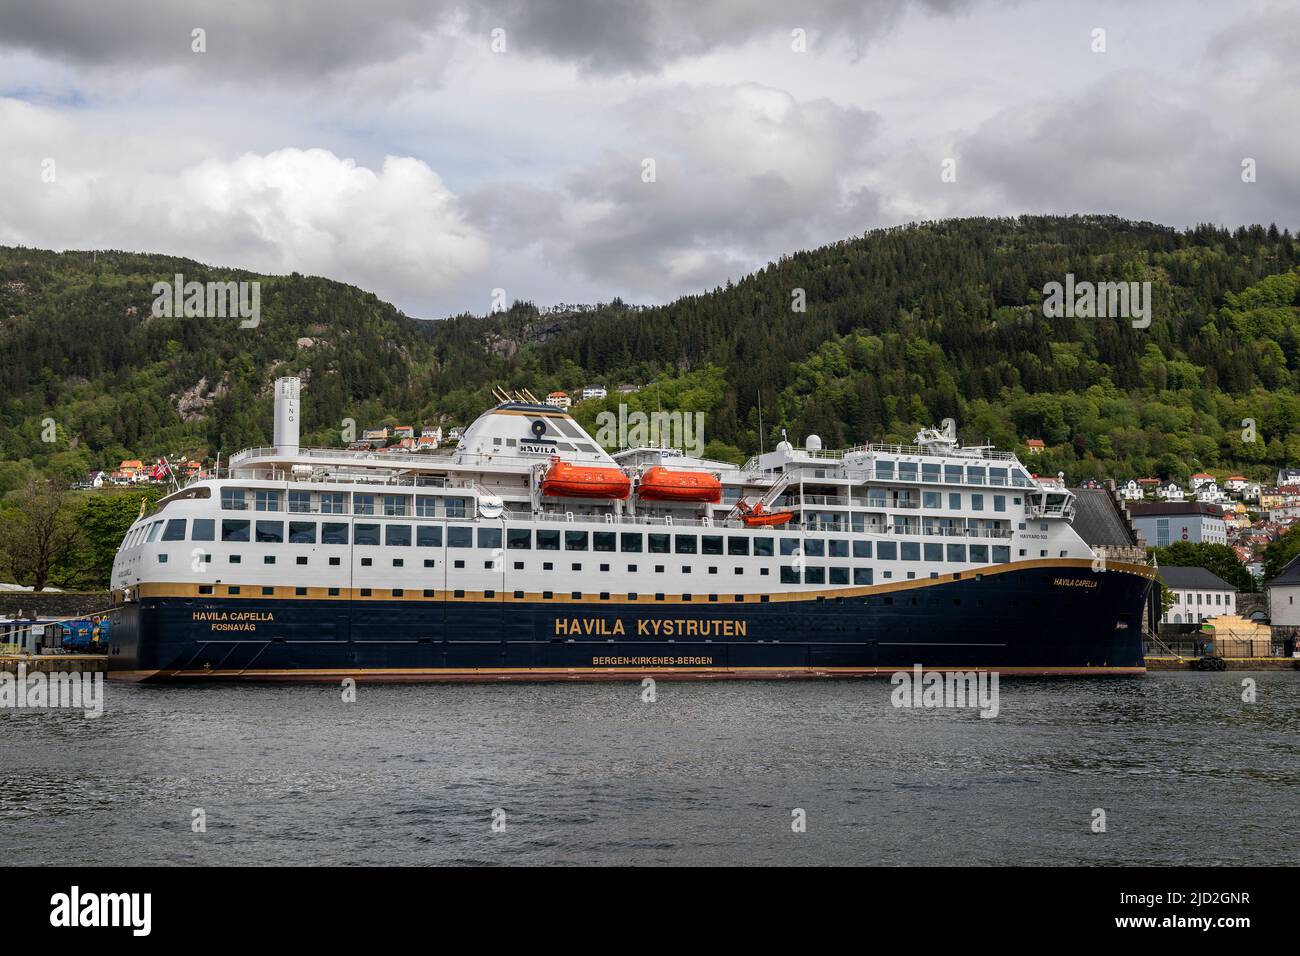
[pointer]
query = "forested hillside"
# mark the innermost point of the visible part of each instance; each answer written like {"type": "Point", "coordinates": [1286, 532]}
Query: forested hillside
{"type": "Point", "coordinates": [902, 328]}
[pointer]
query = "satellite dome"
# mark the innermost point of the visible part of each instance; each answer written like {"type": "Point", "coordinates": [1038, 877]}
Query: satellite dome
{"type": "Point", "coordinates": [813, 443]}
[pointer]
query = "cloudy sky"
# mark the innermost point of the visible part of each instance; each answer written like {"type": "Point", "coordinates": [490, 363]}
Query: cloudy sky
{"type": "Point", "coordinates": [433, 152]}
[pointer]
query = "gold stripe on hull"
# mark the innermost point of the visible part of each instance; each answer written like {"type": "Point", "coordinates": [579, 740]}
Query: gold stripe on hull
{"type": "Point", "coordinates": [543, 674]}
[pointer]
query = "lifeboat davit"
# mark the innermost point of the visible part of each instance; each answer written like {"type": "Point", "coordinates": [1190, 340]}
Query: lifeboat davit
{"type": "Point", "coordinates": [585, 481]}
{"type": "Point", "coordinates": [759, 517]}
{"type": "Point", "coordinates": [661, 484]}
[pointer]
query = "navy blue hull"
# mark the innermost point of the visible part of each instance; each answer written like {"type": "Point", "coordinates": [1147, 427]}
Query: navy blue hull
{"type": "Point", "coordinates": [1034, 620]}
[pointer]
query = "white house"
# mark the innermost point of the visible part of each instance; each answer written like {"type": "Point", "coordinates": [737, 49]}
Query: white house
{"type": "Point", "coordinates": [1210, 493]}
{"type": "Point", "coordinates": [558, 400]}
{"type": "Point", "coordinates": [1131, 490]}
{"type": "Point", "coordinates": [1288, 476]}
{"type": "Point", "coordinates": [1198, 595]}
{"type": "Point", "coordinates": [593, 391]}
{"type": "Point", "coordinates": [1170, 491]}
{"type": "Point", "coordinates": [1284, 596]}
{"type": "Point", "coordinates": [1201, 478]}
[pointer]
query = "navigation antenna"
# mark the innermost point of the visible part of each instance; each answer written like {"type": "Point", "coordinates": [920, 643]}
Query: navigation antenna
{"type": "Point", "coordinates": [760, 422]}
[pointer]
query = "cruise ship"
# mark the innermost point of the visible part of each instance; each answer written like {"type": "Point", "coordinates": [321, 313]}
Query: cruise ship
{"type": "Point", "coordinates": [530, 553]}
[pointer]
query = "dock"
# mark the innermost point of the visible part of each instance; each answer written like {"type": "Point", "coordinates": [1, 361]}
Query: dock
{"type": "Point", "coordinates": [1230, 663]}
{"type": "Point", "coordinates": [62, 663]}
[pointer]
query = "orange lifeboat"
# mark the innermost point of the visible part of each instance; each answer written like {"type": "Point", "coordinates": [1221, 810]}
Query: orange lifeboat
{"type": "Point", "coordinates": [759, 517]}
{"type": "Point", "coordinates": [585, 481]}
{"type": "Point", "coordinates": [661, 484]}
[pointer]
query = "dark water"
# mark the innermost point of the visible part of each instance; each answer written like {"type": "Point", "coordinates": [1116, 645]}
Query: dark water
{"type": "Point", "coordinates": [588, 773]}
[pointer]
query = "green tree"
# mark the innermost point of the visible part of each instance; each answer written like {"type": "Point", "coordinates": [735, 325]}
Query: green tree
{"type": "Point", "coordinates": [1216, 558]}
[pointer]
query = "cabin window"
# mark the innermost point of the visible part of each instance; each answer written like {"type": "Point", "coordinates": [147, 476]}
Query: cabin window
{"type": "Point", "coordinates": [737, 545]}
{"type": "Point", "coordinates": [302, 532]}
{"type": "Point", "coordinates": [887, 550]}
{"type": "Point", "coordinates": [999, 502]}
{"type": "Point", "coordinates": [907, 470]}
{"type": "Point", "coordinates": [333, 532]}
{"type": "Point", "coordinates": [910, 551]}
{"type": "Point", "coordinates": [931, 499]}
{"type": "Point", "coordinates": [575, 541]}
{"type": "Point", "coordinates": [548, 540]}
{"type": "Point", "coordinates": [956, 552]}
{"type": "Point", "coordinates": [954, 502]}
{"type": "Point", "coordinates": [814, 547]}
{"type": "Point", "coordinates": [952, 474]}
{"type": "Point", "coordinates": [934, 552]}
{"type": "Point", "coordinates": [684, 544]}
{"type": "Point", "coordinates": [929, 472]}
{"type": "Point", "coordinates": [975, 475]}
{"type": "Point", "coordinates": [790, 546]}
{"type": "Point", "coordinates": [205, 588]}
{"type": "Point", "coordinates": [459, 536]}
{"type": "Point", "coordinates": [267, 500]}
{"type": "Point", "coordinates": [979, 553]}
{"type": "Point", "coordinates": [153, 531]}
{"type": "Point", "coordinates": [762, 547]}
{"type": "Point", "coordinates": [862, 549]}
{"type": "Point", "coordinates": [455, 507]}
{"type": "Point", "coordinates": [270, 532]}
{"type": "Point", "coordinates": [861, 576]}
{"type": "Point", "coordinates": [711, 544]}
{"type": "Point", "coordinates": [426, 506]}
{"type": "Point", "coordinates": [397, 535]}
{"type": "Point", "coordinates": [658, 543]}
{"type": "Point", "coordinates": [603, 541]}
{"type": "Point", "coordinates": [489, 538]}
{"type": "Point", "coordinates": [428, 537]}
{"type": "Point", "coordinates": [519, 539]}
{"type": "Point", "coordinates": [997, 476]}
{"type": "Point", "coordinates": [876, 498]}
{"type": "Point", "coordinates": [300, 502]}
{"type": "Point", "coordinates": [232, 499]}
{"type": "Point", "coordinates": [363, 504]}
{"type": "Point", "coordinates": [233, 530]}
{"type": "Point", "coordinates": [175, 530]}
{"type": "Point", "coordinates": [839, 575]}
{"type": "Point", "coordinates": [839, 548]}
{"type": "Point", "coordinates": [366, 534]}
{"type": "Point", "coordinates": [789, 575]}
{"type": "Point", "coordinates": [333, 503]}
{"type": "Point", "coordinates": [395, 505]}
{"type": "Point", "coordinates": [814, 576]}
{"type": "Point", "coordinates": [204, 529]}
{"type": "Point", "coordinates": [976, 502]}
{"type": "Point", "coordinates": [630, 541]}
{"type": "Point", "coordinates": [1001, 553]}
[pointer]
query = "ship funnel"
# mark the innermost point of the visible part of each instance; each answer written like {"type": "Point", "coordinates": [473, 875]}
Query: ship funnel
{"type": "Point", "coordinates": [286, 415]}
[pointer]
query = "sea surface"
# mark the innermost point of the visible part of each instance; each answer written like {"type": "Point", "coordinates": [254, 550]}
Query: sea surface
{"type": "Point", "coordinates": [707, 773]}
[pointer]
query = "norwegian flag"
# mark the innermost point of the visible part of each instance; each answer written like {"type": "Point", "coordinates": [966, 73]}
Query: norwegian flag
{"type": "Point", "coordinates": [161, 470]}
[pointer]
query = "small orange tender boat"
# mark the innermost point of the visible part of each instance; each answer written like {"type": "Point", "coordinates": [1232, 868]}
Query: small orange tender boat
{"type": "Point", "coordinates": [661, 484]}
{"type": "Point", "coordinates": [760, 517]}
{"type": "Point", "coordinates": [585, 481]}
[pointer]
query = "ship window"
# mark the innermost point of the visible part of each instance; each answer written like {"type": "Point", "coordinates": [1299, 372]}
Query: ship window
{"type": "Point", "coordinates": [489, 538]}
{"type": "Point", "coordinates": [954, 502]}
{"type": "Point", "coordinates": [363, 504]}
{"type": "Point", "coordinates": [300, 502]}
{"type": "Point", "coordinates": [395, 505]}
{"type": "Point", "coordinates": [814, 575]}
{"type": "Point", "coordinates": [270, 532]}
{"type": "Point", "coordinates": [929, 472]}
{"type": "Point", "coordinates": [952, 474]}
{"type": "Point", "coordinates": [519, 595]}
{"type": "Point", "coordinates": [887, 550]}
{"type": "Point", "coordinates": [333, 503]}
{"type": "Point", "coordinates": [711, 544]}
{"type": "Point", "coordinates": [175, 530]}
{"type": "Point", "coordinates": [547, 595]}
{"type": "Point", "coordinates": [631, 569]}
{"type": "Point", "coordinates": [232, 589]}
{"type": "Point", "coordinates": [397, 535]}
{"type": "Point", "coordinates": [789, 575]}
{"type": "Point", "coordinates": [862, 549]}
{"type": "Point", "coordinates": [1001, 554]}
{"type": "Point", "coordinates": [519, 565]}
{"type": "Point", "coordinates": [933, 552]}
{"type": "Point", "coordinates": [367, 562]}
{"type": "Point", "coordinates": [815, 547]}
{"type": "Point", "coordinates": [975, 474]}
{"type": "Point", "coordinates": [575, 541]}
{"type": "Point", "coordinates": [630, 541]}
{"type": "Point", "coordinates": [576, 595]}
{"type": "Point", "coordinates": [631, 596]}
{"type": "Point", "coordinates": [789, 546]}
{"type": "Point", "coordinates": [956, 552]}
{"type": "Point", "coordinates": [333, 592]}
{"type": "Point", "coordinates": [931, 499]}
{"type": "Point", "coordinates": [659, 569]}
{"type": "Point", "coordinates": [366, 534]}
{"type": "Point", "coordinates": [602, 541]}
{"type": "Point", "coordinates": [162, 559]}
{"type": "Point", "coordinates": [684, 543]}
{"type": "Point", "coordinates": [454, 564]}
{"type": "Point", "coordinates": [976, 502]}
{"type": "Point", "coordinates": [686, 569]}
{"type": "Point", "coordinates": [659, 596]}
{"type": "Point", "coordinates": [235, 559]}
{"type": "Point", "coordinates": [268, 559]}
{"type": "Point", "coordinates": [233, 530]}
{"type": "Point", "coordinates": [268, 590]}
{"type": "Point", "coordinates": [762, 547]}
{"type": "Point", "coordinates": [885, 470]}
{"type": "Point", "coordinates": [455, 507]}
{"type": "Point", "coordinates": [876, 498]}
{"type": "Point", "coordinates": [839, 575]}
{"type": "Point", "coordinates": [153, 531]}
{"type": "Point", "coordinates": [548, 566]}
{"type": "Point", "coordinates": [997, 476]}
{"type": "Point", "coordinates": [426, 506]}
{"type": "Point", "coordinates": [839, 548]}
{"type": "Point", "coordinates": [737, 545]}
{"type": "Point", "coordinates": [910, 551]}
{"type": "Point", "coordinates": [365, 592]}
{"type": "Point", "coordinates": [399, 592]}
{"type": "Point", "coordinates": [604, 567]}
{"type": "Point", "coordinates": [738, 597]}
{"type": "Point", "coordinates": [658, 543]}
{"type": "Point", "coordinates": [713, 569]}
{"type": "Point", "coordinates": [999, 502]}
{"type": "Point", "coordinates": [575, 566]}
{"type": "Point", "coordinates": [428, 537]}
{"type": "Point", "coordinates": [333, 532]}
{"type": "Point", "coordinates": [267, 500]}
{"type": "Point", "coordinates": [861, 575]}
{"type": "Point", "coordinates": [302, 559]}
{"type": "Point", "coordinates": [980, 553]}
{"type": "Point", "coordinates": [232, 499]}
{"type": "Point", "coordinates": [548, 540]}
{"type": "Point", "coordinates": [459, 536]}
{"type": "Point", "coordinates": [302, 532]}
{"type": "Point", "coordinates": [740, 570]}
{"type": "Point", "coordinates": [205, 588]}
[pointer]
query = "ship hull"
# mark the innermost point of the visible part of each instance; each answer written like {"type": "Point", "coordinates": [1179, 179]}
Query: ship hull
{"type": "Point", "coordinates": [1038, 618]}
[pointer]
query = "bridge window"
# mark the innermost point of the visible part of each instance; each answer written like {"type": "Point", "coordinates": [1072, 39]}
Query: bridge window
{"type": "Point", "coordinates": [175, 530]}
{"type": "Point", "coordinates": [233, 530]}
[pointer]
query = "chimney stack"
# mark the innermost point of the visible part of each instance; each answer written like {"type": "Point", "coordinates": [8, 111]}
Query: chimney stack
{"type": "Point", "coordinates": [286, 415]}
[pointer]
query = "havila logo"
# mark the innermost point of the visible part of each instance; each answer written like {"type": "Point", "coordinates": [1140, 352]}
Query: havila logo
{"type": "Point", "coordinates": [678, 430]}
{"type": "Point", "coordinates": [966, 689]}
{"type": "Point", "coordinates": [73, 909]}
{"type": "Point", "coordinates": [209, 300]}
{"type": "Point", "coordinates": [56, 690]}
{"type": "Point", "coordinates": [1093, 300]}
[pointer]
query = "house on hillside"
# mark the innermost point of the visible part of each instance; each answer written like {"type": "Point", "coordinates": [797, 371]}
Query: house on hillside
{"type": "Point", "coordinates": [1035, 446]}
{"type": "Point", "coordinates": [558, 400]}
